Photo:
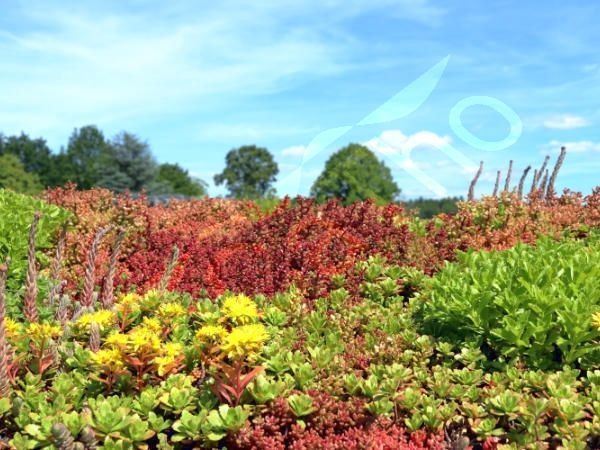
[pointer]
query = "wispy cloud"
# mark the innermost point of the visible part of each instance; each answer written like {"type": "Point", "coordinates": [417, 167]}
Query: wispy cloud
{"type": "Point", "coordinates": [109, 63]}
{"type": "Point", "coordinates": [572, 147]}
{"type": "Point", "coordinates": [566, 122]}
{"type": "Point", "coordinates": [295, 151]}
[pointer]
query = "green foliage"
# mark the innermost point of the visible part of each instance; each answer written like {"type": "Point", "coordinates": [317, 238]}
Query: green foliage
{"type": "Point", "coordinates": [16, 214]}
{"type": "Point", "coordinates": [87, 152]}
{"type": "Point", "coordinates": [430, 207]}
{"type": "Point", "coordinates": [131, 162]}
{"type": "Point", "coordinates": [14, 177]}
{"type": "Point", "coordinates": [250, 172]}
{"type": "Point", "coordinates": [535, 304]}
{"type": "Point", "coordinates": [173, 179]}
{"type": "Point", "coordinates": [354, 173]}
{"type": "Point", "coordinates": [35, 156]}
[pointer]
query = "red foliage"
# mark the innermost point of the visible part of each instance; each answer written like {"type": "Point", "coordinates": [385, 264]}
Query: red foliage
{"type": "Point", "coordinates": [304, 244]}
{"type": "Point", "coordinates": [229, 245]}
{"type": "Point", "coordinates": [338, 425]}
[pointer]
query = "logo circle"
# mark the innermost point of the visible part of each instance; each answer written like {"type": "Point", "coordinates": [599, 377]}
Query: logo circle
{"type": "Point", "coordinates": [516, 125]}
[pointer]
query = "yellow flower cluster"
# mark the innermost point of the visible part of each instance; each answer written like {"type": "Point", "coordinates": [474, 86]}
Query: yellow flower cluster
{"type": "Point", "coordinates": [43, 331]}
{"type": "Point", "coordinates": [240, 309]}
{"type": "Point", "coordinates": [171, 310]}
{"type": "Point", "coordinates": [142, 339]}
{"type": "Point", "coordinates": [108, 358]}
{"type": "Point", "coordinates": [211, 333]}
{"type": "Point", "coordinates": [103, 318]}
{"type": "Point", "coordinates": [12, 328]}
{"type": "Point", "coordinates": [129, 303]}
{"type": "Point", "coordinates": [170, 356]}
{"type": "Point", "coordinates": [596, 320]}
{"type": "Point", "coordinates": [244, 340]}
{"type": "Point", "coordinates": [151, 324]}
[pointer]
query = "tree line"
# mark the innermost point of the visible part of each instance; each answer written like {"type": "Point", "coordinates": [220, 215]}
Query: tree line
{"type": "Point", "coordinates": [122, 163]}
{"type": "Point", "coordinates": [125, 163]}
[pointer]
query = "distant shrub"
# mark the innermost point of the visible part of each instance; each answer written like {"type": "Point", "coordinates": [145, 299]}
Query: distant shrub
{"type": "Point", "coordinates": [16, 214]}
{"type": "Point", "coordinates": [532, 303]}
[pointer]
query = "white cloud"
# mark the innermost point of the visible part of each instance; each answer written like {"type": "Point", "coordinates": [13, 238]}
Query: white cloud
{"type": "Point", "coordinates": [394, 142]}
{"type": "Point", "coordinates": [572, 147]}
{"type": "Point", "coordinates": [112, 62]}
{"type": "Point", "coordinates": [294, 151]}
{"type": "Point", "coordinates": [566, 122]}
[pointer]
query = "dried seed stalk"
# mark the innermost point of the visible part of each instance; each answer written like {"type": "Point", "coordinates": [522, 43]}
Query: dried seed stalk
{"type": "Point", "coordinates": [164, 281]}
{"type": "Point", "coordinates": [30, 307]}
{"type": "Point", "coordinates": [108, 291]}
{"type": "Point", "coordinates": [4, 347]}
{"type": "Point", "coordinates": [497, 184]}
{"type": "Point", "coordinates": [534, 182]}
{"type": "Point", "coordinates": [544, 181]}
{"type": "Point", "coordinates": [471, 195]}
{"type": "Point", "coordinates": [559, 162]}
{"type": "Point", "coordinates": [55, 279]}
{"type": "Point", "coordinates": [508, 175]}
{"type": "Point", "coordinates": [87, 299]}
{"type": "Point", "coordinates": [522, 181]}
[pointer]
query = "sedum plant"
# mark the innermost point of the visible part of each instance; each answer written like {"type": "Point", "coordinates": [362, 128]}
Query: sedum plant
{"type": "Point", "coordinates": [535, 304]}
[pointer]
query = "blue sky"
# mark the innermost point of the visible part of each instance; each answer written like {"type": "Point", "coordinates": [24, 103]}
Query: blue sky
{"type": "Point", "coordinates": [197, 78]}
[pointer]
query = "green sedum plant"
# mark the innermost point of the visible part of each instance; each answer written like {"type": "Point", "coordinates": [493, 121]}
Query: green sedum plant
{"type": "Point", "coordinates": [535, 304]}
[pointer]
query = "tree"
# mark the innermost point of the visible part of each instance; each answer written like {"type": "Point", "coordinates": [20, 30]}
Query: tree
{"type": "Point", "coordinates": [429, 207]}
{"type": "Point", "coordinates": [35, 156]}
{"type": "Point", "coordinates": [87, 153]}
{"type": "Point", "coordinates": [13, 176]}
{"type": "Point", "coordinates": [250, 172]}
{"type": "Point", "coordinates": [178, 181]}
{"type": "Point", "coordinates": [130, 164]}
{"type": "Point", "coordinates": [354, 173]}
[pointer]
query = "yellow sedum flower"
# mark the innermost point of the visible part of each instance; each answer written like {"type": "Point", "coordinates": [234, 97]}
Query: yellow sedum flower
{"type": "Point", "coordinates": [244, 340]}
{"type": "Point", "coordinates": [152, 324]}
{"type": "Point", "coordinates": [596, 320]}
{"type": "Point", "coordinates": [43, 331]}
{"type": "Point", "coordinates": [12, 328]}
{"type": "Point", "coordinates": [211, 333]}
{"type": "Point", "coordinates": [171, 310]}
{"type": "Point", "coordinates": [103, 318]}
{"type": "Point", "coordinates": [117, 340]}
{"type": "Point", "coordinates": [240, 309]}
{"type": "Point", "coordinates": [110, 359]}
{"type": "Point", "coordinates": [169, 359]}
{"type": "Point", "coordinates": [129, 303]}
{"type": "Point", "coordinates": [142, 339]}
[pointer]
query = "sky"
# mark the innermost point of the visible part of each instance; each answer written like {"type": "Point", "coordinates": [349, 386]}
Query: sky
{"type": "Point", "coordinates": [432, 87]}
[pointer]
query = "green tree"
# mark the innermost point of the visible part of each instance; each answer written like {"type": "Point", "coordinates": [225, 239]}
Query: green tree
{"type": "Point", "coordinates": [177, 180]}
{"type": "Point", "coordinates": [35, 155]}
{"type": "Point", "coordinates": [86, 155]}
{"type": "Point", "coordinates": [250, 172]}
{"type": "Point", "coordinates": [429, 207]}
{"type": "Point", "coordinates": [129, 165]}
{"type": "Point", "coordinates": [13, 176]}
{"type": "Point", "coordinates": [353, 174]}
